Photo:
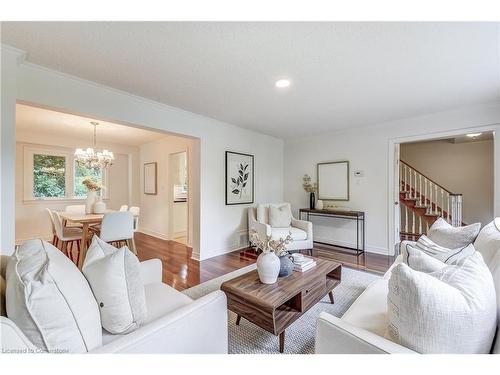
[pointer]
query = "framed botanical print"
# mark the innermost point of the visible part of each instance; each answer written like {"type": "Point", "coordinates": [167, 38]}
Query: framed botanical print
{"type": "Point", "coordinates": [150, 179]}
{"type": "Point", "coordinates": [239, 178]}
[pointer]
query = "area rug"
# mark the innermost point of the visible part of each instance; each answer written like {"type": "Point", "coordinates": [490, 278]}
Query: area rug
{"type": "Point", "coordinates": [247, 338]}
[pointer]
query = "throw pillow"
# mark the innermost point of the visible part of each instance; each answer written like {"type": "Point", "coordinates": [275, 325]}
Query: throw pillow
{"type": "Point", "coordinates": [115, 278]}
{"type": "Point", "coordinates": [488, 241]}
{"type": "Point", "coordinates": [446, 255]}
{"type": "Point", "coordinates": [452, 310]}
{"type": "Point", "coordinates": [50, 301]}
{"type": "Point", "coordinates": [280, 216]}
{"type": "Point", "coordinates": [420, 261]}
{"type": "Point", "coordinates": [446, 235]}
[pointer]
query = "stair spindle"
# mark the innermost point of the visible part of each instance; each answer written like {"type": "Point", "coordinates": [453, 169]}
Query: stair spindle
{"type": "Point", "coordinates": [436, 212]}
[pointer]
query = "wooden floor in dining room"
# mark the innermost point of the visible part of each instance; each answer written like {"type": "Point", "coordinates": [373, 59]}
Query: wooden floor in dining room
{"type": "Point", "coordinates": [182, 272]}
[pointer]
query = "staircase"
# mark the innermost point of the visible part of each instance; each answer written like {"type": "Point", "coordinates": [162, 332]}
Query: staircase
{"type": "Point", "coordinates": [423, 201]}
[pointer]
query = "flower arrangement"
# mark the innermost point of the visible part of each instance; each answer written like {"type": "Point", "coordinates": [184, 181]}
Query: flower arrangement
{"type": "Point", "coordinates": [268, 245]}
{"type": "Point", "coordinates": [307, 185]}
{"type": "Point", "coordinates": [91, 184]}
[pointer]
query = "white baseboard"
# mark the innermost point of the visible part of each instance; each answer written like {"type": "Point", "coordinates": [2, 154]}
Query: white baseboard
{"type": "Point", "coordinates": [179, 234]}
{"type": "Point", "coordinates": [161, 236]}
{"type": "Point", "coordinates": [368, 249]}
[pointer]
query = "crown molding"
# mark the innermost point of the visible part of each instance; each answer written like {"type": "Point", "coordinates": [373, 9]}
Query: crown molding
{"type": "Point", "coordinates": [18, 54]}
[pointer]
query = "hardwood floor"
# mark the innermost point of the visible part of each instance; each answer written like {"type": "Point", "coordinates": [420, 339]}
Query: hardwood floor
{"type": "Point", "coordinates": [182, 272]}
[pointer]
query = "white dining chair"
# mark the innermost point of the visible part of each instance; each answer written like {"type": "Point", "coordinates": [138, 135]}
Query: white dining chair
{"type": "Point", "coordinates": [74, 209]}
{"type": "Point", "coordinates": [135, 211]}
{"type": "Point", "coordinates": [124, 207]}
{"type": "Point", "coordinates": [54, 234]}
{"type": "Point", "coordinates": [67, 236]}
{"type": "Point", "coordinates": [118, 227]}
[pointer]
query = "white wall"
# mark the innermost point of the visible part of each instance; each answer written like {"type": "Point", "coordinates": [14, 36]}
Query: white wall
{"type": "Point", "coordinates": [31, 220]}
{"type": "Point", "coordinates": [368, 149]}
{"type": "Point", "coordinates": [217, 228]}
{"type": "Point", "coordinates": [156, 209]}
{"type": "Point", "coordinates": [464, 168]}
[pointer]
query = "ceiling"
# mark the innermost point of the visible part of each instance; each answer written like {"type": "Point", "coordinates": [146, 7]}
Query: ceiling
{"type": "Point", "coordinates": [343, 74]}
{"type": "Point", "coordinates": [43, 121]}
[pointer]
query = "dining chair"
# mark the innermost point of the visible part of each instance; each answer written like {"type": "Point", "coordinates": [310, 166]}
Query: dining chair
{"type": "Point", "coordinates": [135, 211]}
{"type": "Point", "coordinates": [67, 236]}
{"type": "Point", "coordinates": [118, 227]}
{"type": "Point", "coordinates": [124, 207]}
{"type": "Point", "coordinates": [54, 235]}
{"type": "Point", "coordinates": [74, 209]}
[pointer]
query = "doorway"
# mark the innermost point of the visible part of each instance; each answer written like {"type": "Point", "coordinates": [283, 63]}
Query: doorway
{"type": "Point", "coordinates": [451, 176]}
{"type": "Point", "coordinates": [178, 197]}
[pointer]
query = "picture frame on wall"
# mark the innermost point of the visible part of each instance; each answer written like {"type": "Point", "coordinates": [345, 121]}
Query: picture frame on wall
{"type": "Point", "coordinates": [150, 178]}
{"type": "Point", "coordinates": [239, 178]}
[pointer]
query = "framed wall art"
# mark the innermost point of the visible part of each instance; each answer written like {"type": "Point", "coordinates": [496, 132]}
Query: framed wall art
{"type": "Point", "coordinates": [150, 178]}
{"type": "Point", "coordinates": [239, 178]}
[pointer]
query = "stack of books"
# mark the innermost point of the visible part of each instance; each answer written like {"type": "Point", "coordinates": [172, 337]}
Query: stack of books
{"type": "Point", "coordinates": [303, 264]}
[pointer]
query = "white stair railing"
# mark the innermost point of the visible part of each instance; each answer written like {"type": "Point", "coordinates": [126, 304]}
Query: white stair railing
{"type": "Point", "coordinates": [422, 192]}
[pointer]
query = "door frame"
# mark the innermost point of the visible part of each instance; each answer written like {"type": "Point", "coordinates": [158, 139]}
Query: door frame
{"type": "Point", "coordinates": [170, 195]}
{"type": "Point", "coordinates": [391, 182]}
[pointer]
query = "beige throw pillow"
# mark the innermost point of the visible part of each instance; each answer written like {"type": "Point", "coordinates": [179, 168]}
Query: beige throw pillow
{"type": "Point", "coordinates": [452, 310]}
{"type": "Point", "coordinates": [446, 235]}
{"type": "Point", "coordinates": [115, 278]}
{"type": "Point", "coordinates": [280, 216]}
{"type": "Point", "coordinates": [441, 253]}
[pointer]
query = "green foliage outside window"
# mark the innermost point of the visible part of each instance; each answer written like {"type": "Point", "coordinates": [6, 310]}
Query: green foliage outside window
{"type": "Point", "coordinates": [49, 176]}
{"type": "Point", "coordinates": [80, 173]}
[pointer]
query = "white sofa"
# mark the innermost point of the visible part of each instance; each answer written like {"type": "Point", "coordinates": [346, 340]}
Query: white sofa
{"type": "Point", "coordinates": [175, 323]}
{"type": "Point", "coordinates": [362, 328]}
{"type": "Point", "coordinates": [301, 230]}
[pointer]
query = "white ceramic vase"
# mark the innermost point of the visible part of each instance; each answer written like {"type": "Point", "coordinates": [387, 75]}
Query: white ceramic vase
{"type": "Point", "coordinates": [99, 206]}
{"type": "Point", "coordinates": [268, 267]}
{"type": "Point", "coordinates": [89, 202]}
{"type": "Point", "coordinates": [319, 204]}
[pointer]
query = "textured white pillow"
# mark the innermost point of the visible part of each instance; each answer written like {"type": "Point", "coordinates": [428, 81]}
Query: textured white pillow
{"type": "Point", "coordinates": [420, 261]}
{"type": "Point", "coordinates": [115, 278]}
{"type": "Point", "coordinates": [50, 301]}
{"type": "Point", "coordinates": [280, 216]}
{"type": "Point", "coordinates": [446, 255]}
{"type": "Point", "coordinates": [446, 235]}
{"type": "Point", "coordinates": [488, 241]}
{"type": "Point", "coordinates": [452, 310]}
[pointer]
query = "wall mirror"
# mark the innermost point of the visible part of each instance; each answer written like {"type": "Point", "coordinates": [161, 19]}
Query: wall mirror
{"type": "Point", "coordinates": [333, 181]}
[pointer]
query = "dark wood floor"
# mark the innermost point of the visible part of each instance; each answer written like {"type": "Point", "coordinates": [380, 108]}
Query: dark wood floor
{"type": "Point", "coordinates": [182, 272]}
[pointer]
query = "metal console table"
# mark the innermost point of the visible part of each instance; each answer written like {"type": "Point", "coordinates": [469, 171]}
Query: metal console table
{"type": "Point", "coordinates": [358, 216]}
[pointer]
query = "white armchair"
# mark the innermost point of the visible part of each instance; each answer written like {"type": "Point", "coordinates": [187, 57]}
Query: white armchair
{"type": "Point", "coordinates": [301, 230]}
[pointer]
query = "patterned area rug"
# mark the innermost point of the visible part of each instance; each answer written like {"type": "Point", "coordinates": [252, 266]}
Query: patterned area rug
{"type": "Point", "coordinates": [247, 338]}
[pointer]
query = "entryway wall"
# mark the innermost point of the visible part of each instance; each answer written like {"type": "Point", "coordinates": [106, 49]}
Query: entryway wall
{"type": "Point", "coordinates": [156, 215]}
{"type": "Point", "coordinates": [461, 167]}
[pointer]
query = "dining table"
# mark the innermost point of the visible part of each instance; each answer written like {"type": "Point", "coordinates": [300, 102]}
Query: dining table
{"type": "Point", "coordinates": [86, 220]}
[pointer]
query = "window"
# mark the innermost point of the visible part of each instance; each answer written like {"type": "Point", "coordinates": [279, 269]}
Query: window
{"type": "Point", "coordinates": [80, 191]}
{"type": "Point", "coordinates": [51, 173]}
{"type": "Point", "coordinates": [49, 176]}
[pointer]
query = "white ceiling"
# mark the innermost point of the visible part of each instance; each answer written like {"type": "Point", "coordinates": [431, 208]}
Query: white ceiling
{"type": "Point", "coordinates": [343, 74]}
{"type": "Point", "coordinates": [36, 120]}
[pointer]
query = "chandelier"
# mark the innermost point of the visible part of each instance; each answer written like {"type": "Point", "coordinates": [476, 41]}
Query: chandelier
{"type": "Point", "coordinates": [90, 158]}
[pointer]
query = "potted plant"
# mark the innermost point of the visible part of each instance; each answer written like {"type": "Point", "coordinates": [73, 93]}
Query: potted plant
{"type": "Point", "coordinates": [311, 189]}
{"type": "Point", "coordinates": [93, 187]}
{"type": "Point", "coordinates": [274, 260]}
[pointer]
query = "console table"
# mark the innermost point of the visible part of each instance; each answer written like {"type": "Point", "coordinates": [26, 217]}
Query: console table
{"type": "Point", "coordinates": [357, 216]}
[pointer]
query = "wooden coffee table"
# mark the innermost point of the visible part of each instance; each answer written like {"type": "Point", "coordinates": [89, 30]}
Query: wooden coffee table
{"type": "Point", "coordinates": [274, 307]}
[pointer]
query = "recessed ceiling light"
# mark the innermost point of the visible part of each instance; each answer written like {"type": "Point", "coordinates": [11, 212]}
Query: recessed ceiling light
{"type": "Point", "coordinates": [474, 135]}
{"type": "Point", "coordinates": [282, 83]}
